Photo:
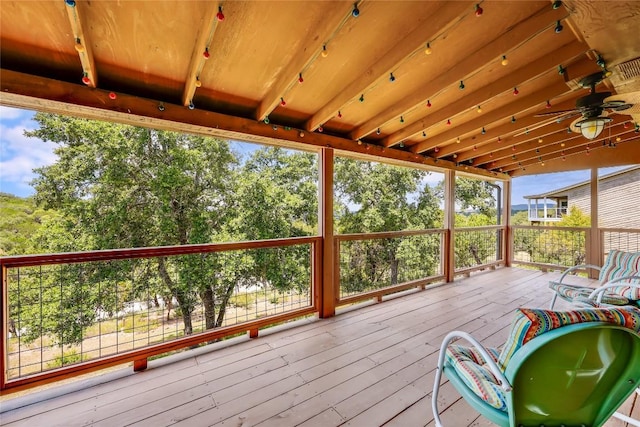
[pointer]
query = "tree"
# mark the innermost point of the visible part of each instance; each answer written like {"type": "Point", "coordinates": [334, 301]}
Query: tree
{"type": "Point", "coordinates": [563, 247]}
{"type": "Point", "coordinates": [120, 186]}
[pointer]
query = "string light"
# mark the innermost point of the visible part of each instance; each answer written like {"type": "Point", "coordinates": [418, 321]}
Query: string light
{"type": "Point", "coordinates": [475, 148]}
{"type": "Point", "coordinates": [455, 156]}
{"type": "Point", "coordinates": [513, 119]}
{"type": "Point", "coordinates": [392, 78]}
{"type": "Point", "coordinates": [112, 95]}
{"type": "Point", "coordinates": [424, 134]}
{"type": "Point", "coordinates": [339, 114]}
{"type": "Point", "coordinates": [515, 91]}
{"type": "Point", "coordinates": [220, 15]}
{"type": "Point", "coordinates": [355, 12]}
{"type": "Point", "coordinates": [626, 125]}
{"type": "Point", "coordinates": [266, 120]}
{"type": "Point", "coordinates": [401, 119]}
{"type": "Point", "coordinates": [548, 104]}
{"type": "Point", "coordinates": [539, 140]}
{"type": "Point", "coordinates": [428, 103]}
{"type": "Point", "coordinates": [70, 3]}
{"type": "Point", "coordinates": [79, 46]}
{"type": "Point", "coordinates": [561, 70]}
{"type": "Point", "coordinates": [499, 139]}
{"type": "Point", "coordinates": [562, 144]}
{"type": "Point", "coordinates": [478, 10]}
{"type": "Point", "coordinates": [600, 62]}
{"type": "Point", "coordinates": [461, 85]}
{"type": "Point", "coordinates": [513, 148]}
{"type": "Point", "coordinates": [206, 53]}
{"type": "Point", "coordinates": [556, 4]}
{"type": "Point", "coordinates": [448, 122]}
{"type": "Point", "coordinates": [191, 105]}
{"type": "Point", "coordinates": [361, 98]}
{"type": "Point", "coordinates": [378, 131]}
{"type": "Point", "coordinates": [491, 154]}
{"type": "Point", "coordinates": [300, 79]}
{"type": "Point", "coordinates": [283, 102]}
{"type": "Point", "coordinates": [483, 131]}
{"type": "Point", "coordinates": [479, 110]}
{"type": "Point", "coordinates": [161, 107]}
{"type": "Point", "coordinates": [301, 134]}
{"type": "Point", "coordinates": [325, 52]}
{"type": "Point", "coordinates": [401, 144]}
{"type": "Point", "coordinates": [428, 50]}
{"type": "Point", "coordinates": [559, 27]}
{"type": "Point", "coordinates": [198, 83]}
{"type": "Point", "coordinates": [320, 129]}
{"type": "Point", "coordinates": [435, 150]}
{"type": "Point", "coordinates": [526, 131]}
{"type": "Point", "coordinates": [504, 61]}
{"type": "Point", "coordinates": [458, 140]}
{"type": "Point", "coordinates": [85, 79]}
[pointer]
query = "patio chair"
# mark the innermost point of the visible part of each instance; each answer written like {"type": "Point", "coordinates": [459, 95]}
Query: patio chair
{"type": "Point", "coordinates": [619, 281]}
{"type": "Point", "coordinates": [572, 368]}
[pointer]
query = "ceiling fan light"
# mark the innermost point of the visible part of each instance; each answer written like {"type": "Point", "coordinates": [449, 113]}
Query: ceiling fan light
{"type": "Point", "coordinates": [592, 127]}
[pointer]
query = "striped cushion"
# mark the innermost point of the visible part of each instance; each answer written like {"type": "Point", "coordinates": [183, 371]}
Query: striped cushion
{"type": "Point", "coordinates": [530, 323]}
{"type": "Point", "coordinates": [471, 368]}
{"type": "Point", "coordinates": [579, 294]}
{"type": "Point", "coordinates": [621, 264]}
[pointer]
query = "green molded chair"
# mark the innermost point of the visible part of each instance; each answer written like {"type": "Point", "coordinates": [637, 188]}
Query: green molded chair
{"type": "Point", "coordinates": [569, 368]}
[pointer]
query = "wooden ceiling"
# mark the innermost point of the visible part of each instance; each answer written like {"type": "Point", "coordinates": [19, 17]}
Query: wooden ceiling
{"type": "Point", "coordinates": [312, 73]}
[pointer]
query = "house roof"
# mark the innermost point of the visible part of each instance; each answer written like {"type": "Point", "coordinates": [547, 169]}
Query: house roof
{"type": "Point", "coordinates": [352, 76]}
{"type": "Point", "coordinates": [564, 191]}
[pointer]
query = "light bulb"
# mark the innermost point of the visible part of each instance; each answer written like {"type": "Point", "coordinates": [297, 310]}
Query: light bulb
{"type": "Point", "coordinates": [504, 61]}
{"type": "Point", "coordinates": [428, 50]}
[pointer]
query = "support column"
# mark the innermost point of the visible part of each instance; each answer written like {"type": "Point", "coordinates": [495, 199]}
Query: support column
{"type": "Point", "coordinates": [508, 232]}
{"type": "Point", "coordinates": [449, 264]}
{"type": "Point", "coordinates": [594, 254]}
{"type": "Point", "coordinates": [325, 217]}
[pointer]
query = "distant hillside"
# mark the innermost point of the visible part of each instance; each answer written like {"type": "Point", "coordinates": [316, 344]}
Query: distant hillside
{"type": "Point", "coordinates": [518, 208]}
{"type": "Point", "coordinates": [19, 220]}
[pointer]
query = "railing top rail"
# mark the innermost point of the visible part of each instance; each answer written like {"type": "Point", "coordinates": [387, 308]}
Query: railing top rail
{"type": "Point", "coordinates": [549, 228]}
{"type": "Point", "coordinates": [481, 228]}
{"type": "Point", "coordinates": [130, 253]}
{"type": "Point", "coordinates": [387, 234]}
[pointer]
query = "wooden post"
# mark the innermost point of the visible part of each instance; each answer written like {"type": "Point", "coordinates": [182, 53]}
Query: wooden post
{"type": "Point", "coordinates": [506, 220]}
{"type": "Point", "coordinates": [253, 333]}
{"type": "Point", "coordinates": [4, 317]}
{"type": "Point", "coordinates": [328, 290]}
{"type": "Point", "coordinates": [594, 256]}
{"type": "Point", "coordinates": [140, 364]}
{"type": "Point", "coordinates": [449, 224]}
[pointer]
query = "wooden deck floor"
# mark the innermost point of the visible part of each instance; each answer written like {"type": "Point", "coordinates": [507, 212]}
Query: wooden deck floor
{"type": "Point", "coordinates": [370, 366]}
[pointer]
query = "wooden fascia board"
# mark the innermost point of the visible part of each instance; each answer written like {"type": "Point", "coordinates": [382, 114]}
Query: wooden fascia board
{"type": "Point", "coordinates": [406, 47]}
{"type": "Point", "coordinates": [42, 94]}
{"type": "Point", "coordinates": [78, 24]}
{"type": "Point", "coordinates": [480, 96]}
{"type": "Point", "coordinates": [325, 28]}
{"type": "Point", "coordinates": [208, 25]}
{"type": "Point", "coordinates": [501, 45]}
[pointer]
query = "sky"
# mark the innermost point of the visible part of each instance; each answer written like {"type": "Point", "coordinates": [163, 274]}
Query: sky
{"type": "Point", "coordinates": [19, 155]}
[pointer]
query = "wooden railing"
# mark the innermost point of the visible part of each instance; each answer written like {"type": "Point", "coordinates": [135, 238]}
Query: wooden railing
{"type": "Point", "coordinates": [376, 264]}
{"type": "Point", "coordinates": [71, 313]}
{"type": "Point", "coordinates": [550, 248]}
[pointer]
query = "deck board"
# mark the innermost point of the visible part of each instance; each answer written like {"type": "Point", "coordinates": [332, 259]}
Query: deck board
{"type": "Point", "coordinates": [367, 366]}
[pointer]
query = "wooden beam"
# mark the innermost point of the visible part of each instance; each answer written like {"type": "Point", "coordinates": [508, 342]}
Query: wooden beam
{"type": "Point", "coordinates": [43, 94]}
{"type": "Point", "coordinates": [83, 45]}
{"type": "Point", "coordinates": [329, 23]}
{"type": "Point", "coordinates": [480, 96]}
{"type": "Point", "coordinates": [207, 28]}
{"type": "Point", "coordinates": [508, 233]}
{"type": "Point", "coordinates": [504, 43]}
{"type": "Point", "coordinates": [552, 145]}
{"type": "Point", "coordinates": [485, 149]}
{"type": "Point", "coordinates": [447, 15]}
{"type": "Point", "coordinates": [330, 258]}
{"type": "Point", "coordinates": [524, 103]}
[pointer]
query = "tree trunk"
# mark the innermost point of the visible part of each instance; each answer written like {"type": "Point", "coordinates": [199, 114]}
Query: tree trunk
{"type": "Point", "coordinates": [208, 301]}
{"type": "Point", "coordinates": [181, 296]}
{"type": "Point", "coordinates": [223, 306]}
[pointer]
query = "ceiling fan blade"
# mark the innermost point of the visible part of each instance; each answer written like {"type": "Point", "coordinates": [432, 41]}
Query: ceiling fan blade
{"type": "Point", "coordinates": [553, 113]}
{"type": "Point", "coordinates": [568, 116]}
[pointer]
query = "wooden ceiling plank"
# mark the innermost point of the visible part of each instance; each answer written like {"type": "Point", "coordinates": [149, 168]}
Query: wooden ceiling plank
{"type": "Point", "coordinates": [55, 96]}
{"type": "Point", "coordinates": [77, 20]}
{"type": "Point", "coordinates": [480, 96]}
{"type": "Point", "coordinates": [207, 29]}
{"type": "Point", "coordinates": [324, 29]}
{"type": "Point", "coordinates": [555, 150]}
{"type": "Point", "coordinates": [581, 68]}
{"type": "Point", "coordinates": [446, 16]}
{"type": "Point", "coordinates": [501, 45]}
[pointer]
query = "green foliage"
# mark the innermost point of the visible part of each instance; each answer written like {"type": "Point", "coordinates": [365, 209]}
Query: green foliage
{"type": "Point", "coordinates": [19, 220]}
{"type": "Point", "coordinates": [520, 218]}
{"type": "Point", "coordinates": [562, 247]}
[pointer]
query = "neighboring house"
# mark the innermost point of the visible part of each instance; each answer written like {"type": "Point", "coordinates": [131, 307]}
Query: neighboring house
{"type": "Point", "coordinates": [618, 195]}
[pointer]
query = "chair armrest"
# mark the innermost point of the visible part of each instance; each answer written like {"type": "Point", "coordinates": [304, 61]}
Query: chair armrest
{"type": "Point", "coordinates": [493, 366]}
{"type": "Point", "coordinates": [598, 293]}
{"type": "Point", "coordinates": [577, 267]}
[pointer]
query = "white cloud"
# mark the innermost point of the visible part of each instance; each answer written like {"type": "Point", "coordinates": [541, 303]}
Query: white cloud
{"type": "Point", "coordinates": [19, 155]}
{"type": "Point", "coordinates": [10, 113]}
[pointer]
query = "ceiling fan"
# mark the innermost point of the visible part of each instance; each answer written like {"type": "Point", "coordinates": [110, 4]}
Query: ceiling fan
{"type": "Point", "coordinates": [594, 108]}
